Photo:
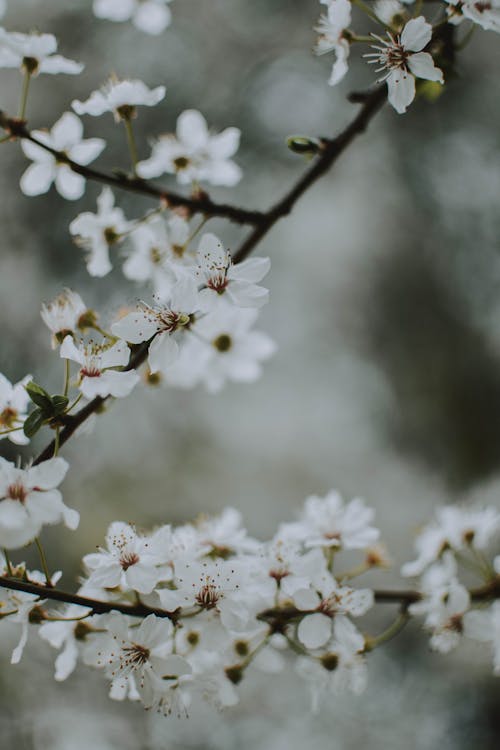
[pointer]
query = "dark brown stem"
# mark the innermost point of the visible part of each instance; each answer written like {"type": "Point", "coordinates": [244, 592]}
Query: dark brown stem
{"type": "Point", "coordinates": [328, 155]}
{"type": "Point", "coordinates": [277, 617]}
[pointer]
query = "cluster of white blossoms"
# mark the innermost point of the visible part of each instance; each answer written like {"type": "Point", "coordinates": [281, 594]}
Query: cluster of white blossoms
{"type": "Point", "coordinates": [403, 46]}
{"type": "Point", "coordinates": [186, 611]}
{"type": "Point", "coordinates": [457, 542]}
{"type": "Point", "coordinates": [190, 609]}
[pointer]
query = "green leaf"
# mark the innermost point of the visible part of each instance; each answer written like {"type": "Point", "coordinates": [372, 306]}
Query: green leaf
{"type": "Point", "coordinates": [59, 404]}
{"type": "Point", "coordinates": [39, 396]}
{"type": "Point", "coordinates": [33, 423]}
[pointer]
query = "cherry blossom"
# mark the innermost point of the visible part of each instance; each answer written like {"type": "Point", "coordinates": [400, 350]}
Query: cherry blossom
{"type": "Point", "coordinates": [119, 97]}
{"type": "Point", "coordinates": [64, 315]}
{"type": "Point", "coordinates": [29, 499]}
{"type": "Point", "coordinates": [14, 402]}
{"type": "Point", "coordinates": [150, 16]}
{"type": "Point", "coordinates": [456, 528]}
{"type": "Point", "coordinates": [161, 322]}
{"type": "Point", "coordinates": [329, 522]}
{"type": "Point", "coordinates": [444, 604]}
{"type": "Point", "coordinates": [34, 53]}
{"type": "Point", "coordinates": [403, 59]}
{"type": "Point", "coordinates": [65, 136]}
{"type": "Point", "coordinates": [194, 154]}
{"type": "Point", "coordinates": [224, 348]}
{"type": "Point", "coordinates": [130, 561]}
{"type": "Point", "coordinates": [97, 376]}
{"type": "Point", "coordinates": [100, 231]}
{"type": "Point", "coordinates": [331, 28]}
{"type": "Point", "coordinates": [485, 14]}
{"type": "Point", "coordinates": [159, 253]}
{"type": "Point", "coordinates": [220, 277]}
{"type": "Point", "coordinates": [333, 601]}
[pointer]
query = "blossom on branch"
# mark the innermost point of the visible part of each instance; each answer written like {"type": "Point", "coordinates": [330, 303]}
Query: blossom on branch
{"type": "Point", "coordinates": [34, 54]}
{"type": "Point", "coordinates": [14, 402]}
{"type": "Point", "coordinates": [29, 499]}
{"type": "Point", "coordinates": [150, 16]}
{"type": "Point", "coordinates": [97, 374]}
{"type": "Point", "coordinates": [332, 38]}
{"type": "Point", "coordinates": [119, 97]}
{"type": "Point", "coordinates": [66, 137]}
{"type": "Point", "coordinates": [64, 315]}
{"type": "Point", "coordinates": [194, 154]}
{"type": "Point", "coordinates": [96, 233]}
{"type": "Point", "coordinates": [402, 59]}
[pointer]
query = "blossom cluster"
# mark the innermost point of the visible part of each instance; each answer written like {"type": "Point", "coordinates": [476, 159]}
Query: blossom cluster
{"type": "Point", "coordinates": [191, 608]}
{"type": "Point", "coordinates": [406, 46]}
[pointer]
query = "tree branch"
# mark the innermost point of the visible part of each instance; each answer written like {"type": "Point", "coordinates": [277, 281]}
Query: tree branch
{"type": "Point", "coordinates": [278, 617]}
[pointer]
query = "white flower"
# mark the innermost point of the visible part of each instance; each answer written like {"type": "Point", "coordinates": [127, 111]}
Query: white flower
{"type": "Point", "coordinates": [331, 29]}
{"type": "Point", "coordinates": [29, 499]}
{"type": "Point", "coordinates": [283, 569]}
{"type": "Point", "coordinates": [330, 602]}
{"type": "Point", "coordinates": [97, 376]}
{"type": "Point", "coordinates": [225, 535]}
{"type": "Point", "coordinates": [484, 625]}
{"type": "Point", "coordinates": [150, 16]}
{"type": "Point", "coordinates": [161, 322]}
{"type": "Point", "coordinates": [34, 53]}
{"type": "Point", "coordinates": [159, 253]}
{"type": "Point", "coordinates": [194, 154]}
{"type": "Point", "coordinates": [14, 402]}
{"type": "Point", "coordinates": [390, 11]}
{"type": "Point", "coordinates": [63, 315]}
{"type": "Point", "coordinates": [119, 97]}
{"type": "Point", "coordinates": [211, 585]}
{"type": "Point", "coordinates": [486, 14]}
{"type": "Point", "coordinates": [65, 136]}
{"type": "Point", "coordinates": [404, 61]}
{"type": "Point", "coordinates": [224, 348]}
{"type": "Point", "coordinates": [67, 635]}
{"type": "Point", "coordinates": [444, 604]}
{"type": "Point", "coordinates": [142, 653]}
{"type": "Point", "coordinates": [455, 528]}
{"type": "Point", "coordinates": [130, 561]}
{"type": "Point", "coordinates": [221, 277]}
{"type": "Point", "coordinates": [329, 522]}
{"type": "Point", "coordinates": [342, 667]}
{"type": "Point", "coordinates": [97, 232]}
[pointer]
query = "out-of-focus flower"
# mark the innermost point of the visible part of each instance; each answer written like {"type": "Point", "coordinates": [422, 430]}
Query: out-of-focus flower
{"type": "Point", "coordinates": [150, 16]}
{"type": "Point", "coordinates": [14, 402]}
{"type": "Point", "coordinates": [100, 231]}
{"type": "Point", "coordinates": [64, 315]}
{"type": "Point", "coordinates": [485, 14]}
{"type": "Point", "coordinates": [119, 97]}
{"type": "Point", "coordinates": [29, 499]}
{"type": "Point", "coordinates": [34, 53]}
{"type": "Point", "coordinates": [97, 376]}
{"type": "Point", "coordinates": [484, 625]}
{"type": "Point", "coordinates": [195, 154]}
{"type": "Point", "coordinates": [332, 38]}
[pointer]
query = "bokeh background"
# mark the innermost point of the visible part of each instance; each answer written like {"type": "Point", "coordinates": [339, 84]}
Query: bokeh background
{"type": "Point", "coordinates": [386, 384]}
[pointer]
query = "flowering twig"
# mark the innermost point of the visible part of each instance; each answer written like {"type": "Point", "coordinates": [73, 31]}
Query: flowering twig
{"type": "Point", "coordinates": [200, 204]}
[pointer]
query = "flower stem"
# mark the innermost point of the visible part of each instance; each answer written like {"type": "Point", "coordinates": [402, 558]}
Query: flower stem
{"type": "Point", "coordinates": [393, 630]}
{"type": "Point", "coordinates": [43, 561]}
{"type": "Point", "coordinates": [24, 94]}
{"type": "Point", "coordinates": [8, 563]}
{"type": "Point", "coordinates": [66, 377]}
{"type": "Point", "coordinates": [131, 143]}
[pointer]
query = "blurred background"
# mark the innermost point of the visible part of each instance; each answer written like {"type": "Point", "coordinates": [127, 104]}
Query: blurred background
{"type": "Point", "coordinates": [386, 384]}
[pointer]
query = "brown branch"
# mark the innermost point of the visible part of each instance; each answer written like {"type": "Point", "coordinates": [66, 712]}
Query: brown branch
{"type": "Point", "coordinates": [277, 617]}
{"type": "Point", "coordinates": [73, 422]}
{"type": "Point", "coordinates": [328, 155]}
{"type": "Point", "coordinates": [97, 607]}
{"type": "Point", "coordinates": [197, 205]}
